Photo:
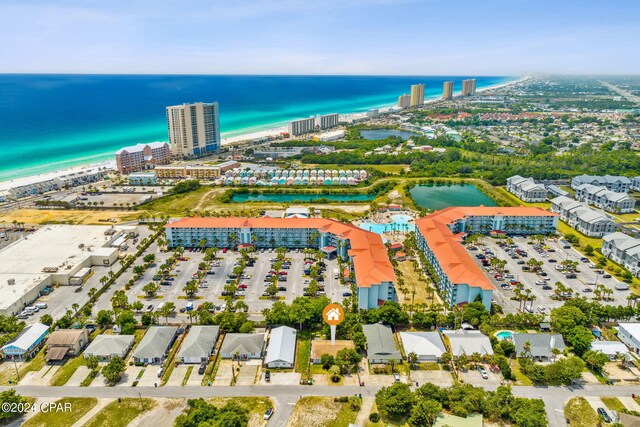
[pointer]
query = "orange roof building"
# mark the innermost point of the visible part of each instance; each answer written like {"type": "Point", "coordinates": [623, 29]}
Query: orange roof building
{"type": "Point", "coordinates": [374, 273]}
{"type": "Point", "coordinates": [439, 236]}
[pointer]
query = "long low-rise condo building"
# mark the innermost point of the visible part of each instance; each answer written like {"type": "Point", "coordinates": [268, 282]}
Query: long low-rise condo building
{"type": "Point", "coordinates": [53, 181]}
{"type": "Point", "coordinates": [623, 249]}
{"type": "Point", "coordinates": [620, 184]}
{"type": "Point", "coordinates": [365, 250]}
{"type": "Point", "coordinates": [602, 198]}
{"type": "Point", "coordinates": [439, 235]}
{"type": "Point", "coordinates": [526, 189]}
{"type": "Point", "coordinates": [581, 217]}
{"type": "Point", "coordinates": [195, 171]}
{"type": "Point", "coordinates": [142, 156]}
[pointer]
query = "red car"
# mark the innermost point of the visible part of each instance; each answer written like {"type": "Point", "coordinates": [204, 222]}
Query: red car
{"type": "Point", "coordinates": [242, 286]}
{"type": "Point", "coordinates": [224, 250]}
{"type": "Point", "coordinates": [182, 258]}
{"type": "Point", "coordinates": [283, 273]}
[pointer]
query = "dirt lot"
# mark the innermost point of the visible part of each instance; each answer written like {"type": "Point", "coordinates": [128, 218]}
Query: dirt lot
{"type": "Point", "coordinates": [442, 378]}
{"type": "Point", "coordinates": [37, 216]}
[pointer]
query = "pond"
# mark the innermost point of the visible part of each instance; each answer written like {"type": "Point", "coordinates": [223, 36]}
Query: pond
{"type": "Point", "coordinates": [432, 196]}
{"type": "Point", "coordinates": [301, 197]}
{"type": "Point", "coordinates": [376, 134]}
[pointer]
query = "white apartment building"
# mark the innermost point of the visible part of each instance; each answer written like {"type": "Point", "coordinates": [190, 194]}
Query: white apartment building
{"type": "Point", "coordinates": [629, 333]}
{"type": "Point", "coordinates": [581, 217]}
{"type": "Point", "coordinates": [635, 183]}
{"type": "Point", "coordinates": [620, 184]}
{"type": "Point", "coordinates": [526, 189]}
{"type": "Point", "coordinates": [326, 121]}
{"type": "Point", "coordinates": [623, 249]}
{"type": "Point", "coordinates": [194, 129]}
{"type": "Point", "coordinates": [602, 198]}
{"type": "Point", "coordinates": [302, 126]}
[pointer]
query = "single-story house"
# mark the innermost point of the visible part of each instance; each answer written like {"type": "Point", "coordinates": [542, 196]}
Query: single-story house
{"type": "Point", "coordinates": [199, 343]}
{"type": "Point", "coordinates": [27, 343]}
{"type": "Point", "coordinates": [242, 346]}
{"type": "Point", "coordinates": [629, 333]}
{"type": "Point", "coordinates": [320, 347]}
{"type": "Point", "coordinates": [541, 345]}
{"type": "Point", "coordinates": [155, 345]}
{"type": "Point", "coordinates": [428, 346]}
{"type": "Point", "coordinates": [65, 342]}
{"type": "Point", "coordinates": [281, 350]}
{"type": "Point", "coordinates": [471, 420]}
{"type": "Point", "coordinates": [381, 346]}
{"type": "Point", "coordinates": [104, 347]}
{"type": "Point", "coordinates": [610, 348]}
{"type": "Point", "coordinates": [468, 342]}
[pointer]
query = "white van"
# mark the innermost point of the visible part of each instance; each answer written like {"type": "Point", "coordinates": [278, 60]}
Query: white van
{"type": "Point", "coordinates": [41, 305]}
{"type": "Point", "coordinates": [160, 306]}
{"type": "Point", "coordinates": [31, 309]}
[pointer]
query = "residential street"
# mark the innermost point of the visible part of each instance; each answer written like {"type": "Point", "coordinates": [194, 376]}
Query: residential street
{"type": "Point", "coordinates": [285, 397]}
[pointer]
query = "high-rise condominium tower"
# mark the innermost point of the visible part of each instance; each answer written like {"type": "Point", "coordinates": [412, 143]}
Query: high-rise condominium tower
{"type": "Point", "coordinates": [194, 129]}
{"type": "Point", "coordinates": [417, 95]}
{"type": "Point", "coordinates": [468, 87]}
{"type": "Point", "coordinates": [447, 90]}
{"type": "Point", "coordinates": [404, 101]}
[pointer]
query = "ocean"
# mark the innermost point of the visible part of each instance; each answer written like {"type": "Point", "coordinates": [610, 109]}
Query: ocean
{"type": "Point", "coordinates": [50, 122]}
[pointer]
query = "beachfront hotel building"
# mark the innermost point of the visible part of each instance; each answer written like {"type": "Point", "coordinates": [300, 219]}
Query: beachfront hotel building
{"type": "Point", "coordinates": [142, 156]}
{"type": "Point", "coordinates": [326, 121]}
{"type": "Point", "coordinates": [468, 87]}
{"type": "Point", "coordinates": [365, 250]}
{"type": "Point", "coordinates": [301, 126]}
{"type": "Point", "coordinates": [439, 236]}
{"type": "Point", "coordinates": [447, 90]}
{"type": "Point", "coordinates": [194, 129]}
{"type": "Point", "coordinates": [404, 101]}
{"type": "Point", "coordinates": [417, 95]}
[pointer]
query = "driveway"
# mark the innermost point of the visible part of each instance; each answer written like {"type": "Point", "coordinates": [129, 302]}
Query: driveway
{"type": "Point", "coordinates": [78, 376]}
{"type": "Point", "coordinates": [129, 376]}
{"type": "Point", "coordinates": [177, 376]}
{"type": "Point", "coordinates": [149, 377]}
{"type": "Point", "coordinates": [474, 377]}
{"type": "Point", "coordinates": [281, 378]}
{"type": "Point", "coordinates": [247, 374]}
{"type": "Point", "coordinates": [224, 373]}
{"type": "Point", "coordinates": [41, 377]}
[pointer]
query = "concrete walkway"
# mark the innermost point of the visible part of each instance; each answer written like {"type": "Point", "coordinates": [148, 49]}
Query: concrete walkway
{"type": "Point", "coordinates": [365, 410]}
{"type": "Point", "coordinates": [630, 403]}
{"type": "Point", "coordinates": [86, 417]}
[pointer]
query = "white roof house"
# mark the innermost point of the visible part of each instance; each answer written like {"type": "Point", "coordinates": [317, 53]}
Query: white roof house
{"type": "Point", "coordinates": [198, 344]}
{"type": "Point", "coordinates": [281, 351]}
{"type": "Point", "coordinates": [629, 333]}
{"type": "Point", "coordinates": [26, 342]}
{"type": "Point", "coordinates": [108, 346]}
{"type": "Point", "coordinates": [155, 344]}
{"type": "Point", "coordinates": [428, 346]}
{"type": "Point", "coordinates": [468, 342]}
{"type": "Point", "coordinates": [610, 348]}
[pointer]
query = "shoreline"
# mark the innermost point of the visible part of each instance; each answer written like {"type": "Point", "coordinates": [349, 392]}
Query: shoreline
{"type": "Point", "coordinates": [269, 130]}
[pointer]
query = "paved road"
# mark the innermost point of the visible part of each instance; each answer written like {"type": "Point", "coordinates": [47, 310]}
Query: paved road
{"type": "Point", "coordinates": [622, 92]}
{"type": "Point", "coordinates": [285, 396]}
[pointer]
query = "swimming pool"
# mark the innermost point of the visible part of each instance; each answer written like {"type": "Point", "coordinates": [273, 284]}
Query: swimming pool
{"type": "Point", "coordinates": [504, 335]}
{"type": "Point", "coordinates": [400, 223]}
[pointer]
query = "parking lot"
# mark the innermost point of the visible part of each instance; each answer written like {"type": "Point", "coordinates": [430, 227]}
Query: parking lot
{"type": "Point", "coordinates": [252, 284]}
{"type": "Point", "coordinates": [542, 284]}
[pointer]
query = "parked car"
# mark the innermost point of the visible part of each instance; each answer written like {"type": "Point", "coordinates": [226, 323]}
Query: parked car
{"type": "Point", "coordinates": [267, 376]}
{"type": "Point", "coordinates": [268, 413]}
{"type": "Point", "coordinates": [396, 377]}
{"type": "Point", "coordinates": [484, 374]}
{"type": "Point", "coordinates": [150, 307]}
{"type": "Point", "coordinates": [605, 415]}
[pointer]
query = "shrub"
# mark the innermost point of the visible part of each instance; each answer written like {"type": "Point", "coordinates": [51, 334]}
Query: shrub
{"type": "Point", "coordinates": [374, 417]}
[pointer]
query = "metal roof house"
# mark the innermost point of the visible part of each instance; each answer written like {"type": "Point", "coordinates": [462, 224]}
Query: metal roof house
{"type": "Point", "coordinates": [541, 345]}
{"type": "Point", "coordinates": [104, 347]}
{"type": "Point", "coordinates": [155, 344]}
{"type": "Point", "coordinates": [281, 350]}
{"type": "Point", "coordinates": [27, 343]}
{"type": "Point", "coordinates": [381, 346]}
{"type": "Point", "coordinates": [198, 344]}
{"type": "Point", "coordinates": [242, 346]}
{"type": "Point", "coordinates": [65, 342]}
{"type": "Point", "coordinates": [468, 342]}
{"type": "Point", "coordinates": [428, 346]}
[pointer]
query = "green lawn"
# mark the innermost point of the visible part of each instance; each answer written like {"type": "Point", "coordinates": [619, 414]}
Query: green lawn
{"type": "Point", "coordinates": [384, 421]}
{"type": "Point", "coordinates": [613, 403]}
{"type": "Point", "coordinates": [79, 407]}
{"type": "Point", "coordinates": [580, 413]}
{"type": "Point", "coordinates": [66, 371]}
{"type": "Point", "coordinates": [256, 406]}
{"type": "Point", "coordinates": [120, 414]}
{"type": "Point", "coordinates": [303, 352]}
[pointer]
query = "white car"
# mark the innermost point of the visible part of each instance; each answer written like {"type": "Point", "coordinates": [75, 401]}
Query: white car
{"type": "Point", "coordinates": [484, 374]}
{"type": "Point", "coordinates": [268, 413]}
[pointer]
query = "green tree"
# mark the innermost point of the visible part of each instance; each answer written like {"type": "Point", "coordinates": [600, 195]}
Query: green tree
{"type": "Point", "coordinates": [580, 339]}
{"type": "Point", "coordinates": [190, 289]}
{"type": "Point", "coordinates": [595, 359]}
{"type": "Point", "coordinates": [167, 310]}
{"type": "Point", "coordinates": [46, 319]}
{"type": "Point", "coordinates": [395, 401]}
{"type": "Point", "coordinates": [424, 413]}
{"type": "Point", "coordinates": [104, 318]}
{"type": "Point", "coordinates": [92, 362]}
{"type": "Point", "coordinates": [10, 397]}
{"type": "Point", "coordinates": [150, 289]}
{"type": "Point", "coordinates": [113, 370]}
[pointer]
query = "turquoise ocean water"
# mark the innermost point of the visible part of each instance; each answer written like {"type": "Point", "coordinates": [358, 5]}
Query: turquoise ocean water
{"type": "Point", "coordinates": [51, 122]}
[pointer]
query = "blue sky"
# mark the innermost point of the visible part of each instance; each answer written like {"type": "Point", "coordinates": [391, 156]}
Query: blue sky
{"type": "Point", "coordinates": [404, 37]}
